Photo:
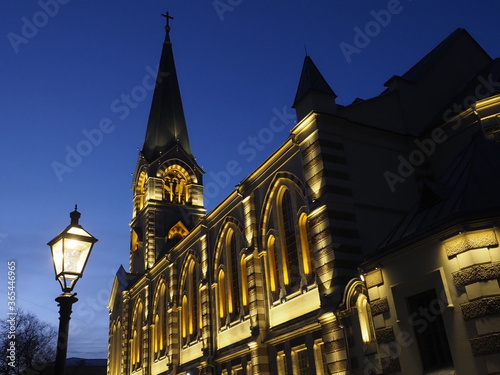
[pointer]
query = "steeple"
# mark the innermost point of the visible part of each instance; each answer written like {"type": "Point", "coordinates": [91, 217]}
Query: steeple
{"type": "Point", "coordinates": [313, 93]}
{"type": "Point", "coordinates": [166, 125]}
{"type": "Point", "coordinates": [168, 183]}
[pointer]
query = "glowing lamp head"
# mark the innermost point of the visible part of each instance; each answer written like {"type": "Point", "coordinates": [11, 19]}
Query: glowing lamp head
{"type": "Point", "coordinates": [70, 252]}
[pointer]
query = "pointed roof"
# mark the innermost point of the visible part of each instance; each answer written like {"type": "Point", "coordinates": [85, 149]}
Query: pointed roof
{"type": "Point", "coordinates": [166, 125]}
{"type": "Point", "coordinates": [311, 79]}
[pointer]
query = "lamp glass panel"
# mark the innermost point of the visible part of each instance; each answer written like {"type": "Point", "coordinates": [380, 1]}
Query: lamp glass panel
{"type": "Point", "coordinates": [79, 231]}
{"type": "Point", "coordinates": [75, 255]}
{"type": "Point", "coordinates": [57, 255]}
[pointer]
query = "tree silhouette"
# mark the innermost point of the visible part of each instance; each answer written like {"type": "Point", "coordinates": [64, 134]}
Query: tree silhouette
{"type": "Point", "coordinates": [27, 344]}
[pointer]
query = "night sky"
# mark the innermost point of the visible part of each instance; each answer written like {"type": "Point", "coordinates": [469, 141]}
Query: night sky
{"type": "Point", "coordinates": [75, 91]}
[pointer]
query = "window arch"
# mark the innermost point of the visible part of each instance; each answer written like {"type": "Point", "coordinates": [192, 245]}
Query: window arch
{"type": "Point", "coordinates": [364, 316]}
{"type": "Point", "coordinates": [356, 301]}
{"type": "Point", "coordinates": [136, 338]}
{"type": "Point", "coordinates": [190, 311]}
{"type": "Point", "coordinates": [160, 322]}
{"type": "Point", "coordinates": [285, 232]}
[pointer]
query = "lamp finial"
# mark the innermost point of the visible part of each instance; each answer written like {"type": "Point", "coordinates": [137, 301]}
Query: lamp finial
{"type": "Point", "coordinates": [75, 216]}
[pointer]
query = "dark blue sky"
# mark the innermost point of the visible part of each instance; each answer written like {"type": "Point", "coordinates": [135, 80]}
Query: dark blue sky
{"type": "Point", "coordinates": [76, 88]}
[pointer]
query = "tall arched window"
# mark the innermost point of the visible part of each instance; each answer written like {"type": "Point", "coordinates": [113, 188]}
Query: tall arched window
{"type": "Point", "coordinates": [190, 311]}
{"type": "Point", "coordinates": [230, 279]}
{"type": "Point", "coordinates": [273, 268]}
{"type": "Point", "coordinates": [285, 228]}
{"type": "Point", "coordinates": [234, 284]}
{"type": "Point", "coordinates": [136, 342]}
{"type": "Point", "coordinates": [289, 254]}
{"type": "Point", "coordinates": [160, 324]}
{"type": "Point", "coordinates": [305, 249]}
{"type": "Point", "coordinates": [244, 285]}
{"type": "Point", "coordinates": [221, 282]}
{"type": "Point", "coordinates": [116, 349]}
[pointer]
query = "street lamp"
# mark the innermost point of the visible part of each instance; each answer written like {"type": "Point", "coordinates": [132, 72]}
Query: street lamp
{"type": "Point", "coordinates": [70, 252]}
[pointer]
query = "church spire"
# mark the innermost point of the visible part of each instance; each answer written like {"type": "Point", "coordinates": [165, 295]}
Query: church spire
{"type": "Point", "coordinates": [166, 125]}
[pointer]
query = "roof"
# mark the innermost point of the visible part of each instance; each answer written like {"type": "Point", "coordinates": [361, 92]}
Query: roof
{"type": "Point", "coordinates": [420, 68]}
{"type": "Point", "coordinates": [311, 79]}
{"type": "Point", "coordinates": [468, 190]}
{"type": "Point", "coordinates": [86, 362]}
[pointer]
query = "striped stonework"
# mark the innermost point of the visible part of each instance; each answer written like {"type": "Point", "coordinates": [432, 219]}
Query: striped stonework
{"type": "Point", "coordinates": [250, 220]}
{"type": "Point", "coordinates": [260, 359]}
{"type": "Point", "coordinates": [146, 292]}
{"type": "Point", "coordinates": [337, 190]}
{"type": "Point", "coordinates": [173, 343]}
{"type": "Point", "coordinates": [204, 292]}
{"type": "Point", "coordinates": [335, 345]}
{"type": "Point", "coordinates": [150, 236]}
{"type": "Point", "coordinates": [313, 166]}
{"type": "Point", "coordinates": [322, 246]}
{"type": "Point", "coordinates": [256, 293]}
{"type": "Point", "coordinates": [126, 319]}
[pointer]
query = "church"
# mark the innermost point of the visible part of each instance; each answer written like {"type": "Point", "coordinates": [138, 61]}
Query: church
{"type": "Point", "coordinates": [367, 243]}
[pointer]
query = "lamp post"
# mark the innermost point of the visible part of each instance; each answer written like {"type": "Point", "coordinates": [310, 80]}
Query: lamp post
{"type": "Point", "coordinates": [70, 252]}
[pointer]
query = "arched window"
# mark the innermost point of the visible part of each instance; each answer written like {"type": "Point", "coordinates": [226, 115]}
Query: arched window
{"type": "Point", "coordinates": [176, 184]}
{"type": "Point", "coordinates": [229, 281]}
{"type": "Point", "coordinates": [136, 342]}
{"type": "Point", "coordinates": [140, 193]}
{"type": "Point", "coordinates": [289, 254]}
{"type": "Point", "coordinates": [190, 299]}
{"type": "Point", "coordinates": [160, 324]}
{"type": "Point", "coordinates": [273, 268]}
{"type": "Point", "coordinates": [116, 349]}
{"type": "Point", "coordinates": [285, 229]}
{"type": "Point", "coordinates": [364, 316]}
{"type": "Point", "coordinates": [221, 281]}
{"type": "Point", "coordinates": [234, 285]}
{"type": "Point", "coordinates": [244, 285]}
{"type": "Point", "coordinates": [305, 247]}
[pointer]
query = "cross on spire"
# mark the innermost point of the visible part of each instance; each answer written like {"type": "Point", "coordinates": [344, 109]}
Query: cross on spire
{"type": "Point", "coordinates": [168, 17]}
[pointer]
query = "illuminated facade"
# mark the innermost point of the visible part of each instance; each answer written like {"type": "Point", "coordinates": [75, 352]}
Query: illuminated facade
{"type": "Point", "coordinates": [365, 244]}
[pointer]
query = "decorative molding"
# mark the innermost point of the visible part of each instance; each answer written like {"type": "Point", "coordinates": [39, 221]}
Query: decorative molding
{"type": "Point", "coordinates": [380, 306]}
{"type": "Point", "coordinates": [469, 241]}
{"type": "Point", "coordinates": [477, 273]}
{"type": "Point", "coordinates": [480, 308]}
{"type": "Point", "coordinates": [487, 344]}
{"type": "Point", "coordinates": [385, 335]}
{"type": "Point", "coordinates": [390, 365]}
{"type": "Point", "coordinates": [374, 278]}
